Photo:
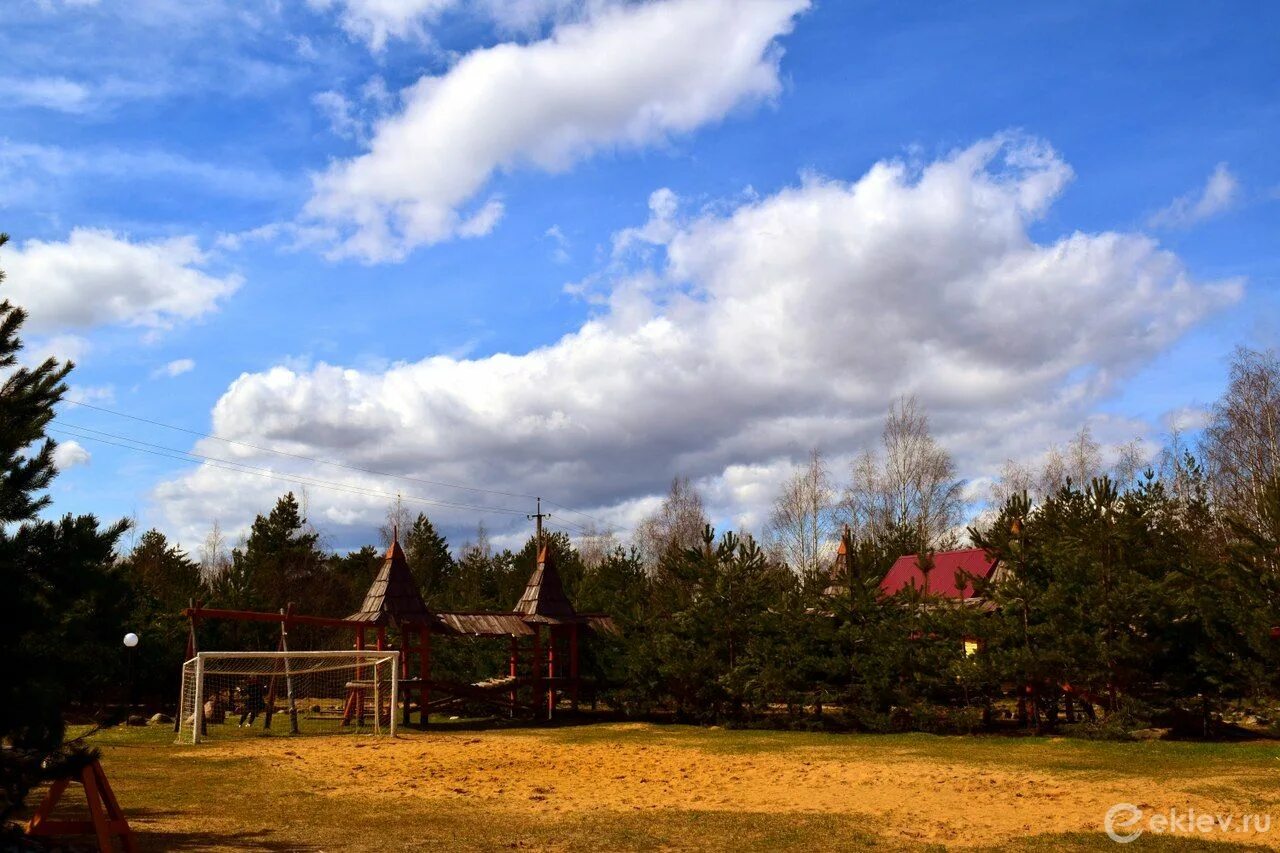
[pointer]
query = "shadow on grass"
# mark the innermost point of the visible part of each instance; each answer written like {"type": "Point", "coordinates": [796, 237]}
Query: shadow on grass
{"type": "Point", "coordinates": [150, 839]}
{"type": "Point", "coordinates": [1082, 841]}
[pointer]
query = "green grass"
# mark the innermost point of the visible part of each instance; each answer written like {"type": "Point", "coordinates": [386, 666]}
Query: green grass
{"type": "Point", "coordinates": [190, 798]}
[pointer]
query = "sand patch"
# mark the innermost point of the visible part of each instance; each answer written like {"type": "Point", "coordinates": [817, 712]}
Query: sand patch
{"type": "Point", "coordinates": [896, 794]}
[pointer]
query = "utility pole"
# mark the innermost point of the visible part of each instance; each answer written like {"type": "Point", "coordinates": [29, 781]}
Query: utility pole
{"type": "Point", "coordinates": [538, 516]}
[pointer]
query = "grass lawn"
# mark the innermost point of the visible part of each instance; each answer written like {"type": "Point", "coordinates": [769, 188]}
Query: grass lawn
{"type": "Point", "coordinates": [641, 786]}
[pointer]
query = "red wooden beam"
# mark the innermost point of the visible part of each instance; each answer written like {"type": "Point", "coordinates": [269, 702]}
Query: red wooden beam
{"type": "Point", "coordinates": [259, 616]}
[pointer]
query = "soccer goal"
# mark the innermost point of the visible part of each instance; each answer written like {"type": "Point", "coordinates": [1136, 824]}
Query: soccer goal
{"type": "Point", "coordinates": [229, 694]}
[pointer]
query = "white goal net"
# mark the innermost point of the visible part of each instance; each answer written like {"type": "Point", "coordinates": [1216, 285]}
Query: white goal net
{"type": "Point", "coordinates": [230, 694]}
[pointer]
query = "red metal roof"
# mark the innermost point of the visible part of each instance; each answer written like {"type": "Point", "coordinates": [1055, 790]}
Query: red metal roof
{"type": "Point", "coordinates": [947, 578]}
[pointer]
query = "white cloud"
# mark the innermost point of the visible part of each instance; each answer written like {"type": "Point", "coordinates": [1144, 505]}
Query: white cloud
{"type": "Point", "coordinates": [560, 254]}
{"type": "Point", "coordinates": [375, 22]}
{"type": "Point", "coordinates": [340, 113]}
{"type": "Point", "coordinates": [1187, 419]}
{"type": "Point", "coordinates": [656, 69]}
{"type": "Point", "coordinates": [174, 368]}
{"type": "Point", "coordinates": [787, 322]}
{"type": "Point", "coordinates": [62, 94]}
{"type": "Point", "coordinates": [35, 169]}
{"type": "Point", "coordinates": [104, 394]}
{"type": "Point", "coordinates": [1218, 195]}
{"type": "Point", "coordinates": [53, 93]}
{"type": "Point", "coordinates": [68, 454]}
{"type": "Point", "coordinates": [61, 347]}
{"type": "Point", "coordinates": [98, 278]}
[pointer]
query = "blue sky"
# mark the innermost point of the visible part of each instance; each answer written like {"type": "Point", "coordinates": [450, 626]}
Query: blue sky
{"type": "Point", "coordinates": [293, 208]}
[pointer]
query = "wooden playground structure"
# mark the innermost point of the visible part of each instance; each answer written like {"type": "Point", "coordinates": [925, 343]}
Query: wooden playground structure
{"type": "Point", "coordinates": [543, 629]}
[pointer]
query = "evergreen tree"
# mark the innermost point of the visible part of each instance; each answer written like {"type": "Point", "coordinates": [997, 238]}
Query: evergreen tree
{"type": "Point", "coordinates": [61, 608]}
{"type": "Point", "coordinates": [344, 581]}
{"type": "Point", "coordinates": [429, 559]}
{"type": "Point", "coordinates": [162, 581]}
{"type": "Point", "coordinates": [279, 561]}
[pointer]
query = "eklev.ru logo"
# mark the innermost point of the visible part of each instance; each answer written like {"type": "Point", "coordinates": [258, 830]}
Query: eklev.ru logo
{"type": "Point", "coordinates": [1125, 822]}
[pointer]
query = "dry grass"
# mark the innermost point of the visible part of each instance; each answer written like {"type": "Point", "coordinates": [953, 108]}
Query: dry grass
{"type": "Point", "coordinates": [643, 786]}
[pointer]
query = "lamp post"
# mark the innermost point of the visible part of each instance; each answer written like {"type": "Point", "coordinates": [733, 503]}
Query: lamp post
{"type": "Point", "coordinates": [130, 643]}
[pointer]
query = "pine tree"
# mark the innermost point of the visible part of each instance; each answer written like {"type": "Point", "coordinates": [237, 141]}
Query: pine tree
{"type": "Point", "coordinates": [429, 559]}
{"type": "Point", "coordinates": [279, 559]}
{"type": "Point", "coordinates": [162, 580]}
{"type": "Point", "coordinates": [61, 607]}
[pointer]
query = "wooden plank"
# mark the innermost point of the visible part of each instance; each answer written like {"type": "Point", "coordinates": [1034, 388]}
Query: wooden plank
{"type": "Point", "coordinates": [96, 811]}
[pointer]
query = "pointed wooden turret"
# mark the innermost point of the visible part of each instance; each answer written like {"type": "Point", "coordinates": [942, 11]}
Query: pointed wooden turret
{"type": "Point", "coordinates": [838, 577]}
{"type": "Point", "coordinates": [393, 597]}
{"type": "Point", "coordinates": [544, 599]}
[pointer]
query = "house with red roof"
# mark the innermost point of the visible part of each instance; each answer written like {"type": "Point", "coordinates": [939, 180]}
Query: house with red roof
{"type": "Point", "coordinates": [949, 574]}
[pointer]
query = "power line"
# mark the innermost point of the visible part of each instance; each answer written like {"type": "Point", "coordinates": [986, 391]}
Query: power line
{"type": "Point", "coordinates": [301, 456]}
{"type": "Point", "coordinates": [609, 527]}
{"type": "Point", "coordinates": [334, 463]}
{"type": "Point", "coordinates": [242, 468]}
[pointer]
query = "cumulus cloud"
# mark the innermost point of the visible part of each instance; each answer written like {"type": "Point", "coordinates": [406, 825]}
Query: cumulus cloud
{"type": "Point", "coordinates": [174, 368]}
{"type": "Point", "coordinates": [97, 278]}
{"type": "Point", "coordinates": [787, 322]}
{"type": "Point", "coordinates": [69, 454]}
{"type": "Point", "coordinates": [656, 69]}
{"type": "Point", "coordinates": [1218, 195]}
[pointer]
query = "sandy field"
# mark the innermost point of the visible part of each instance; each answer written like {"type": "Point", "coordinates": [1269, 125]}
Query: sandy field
{"type": "Point", "coordinates": [902, 790]}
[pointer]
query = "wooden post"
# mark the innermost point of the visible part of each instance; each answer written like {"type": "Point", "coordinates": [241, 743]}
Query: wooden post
{"type": "Point", "coordinates": [536, 662]}
{"type": "Point", "coordinates": [269, 710]}
{"type": "Point", "coordinates": [424, 673]}
{"type": "Point", "coordinates": [573, 665]}
{"type": "Point", "coordinates": [513, 669]}
{"type": "Point", "coordinates": [381, 645]}
{"type": "Point", "coordinates": [551, 671]}
{"type": "Point", "coordinates": [359, 693]}
{"type": "Point", "coordinates": [406, 643]}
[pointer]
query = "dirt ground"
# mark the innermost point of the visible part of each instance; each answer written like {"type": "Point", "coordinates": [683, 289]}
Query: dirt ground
{"type": "Point", "coordinates": [949, 791]}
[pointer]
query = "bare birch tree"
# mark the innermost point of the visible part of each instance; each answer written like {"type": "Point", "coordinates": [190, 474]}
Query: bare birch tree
{"type": "Point", "coordinates": [913, 487]}
{"type": "Point", "coordinates": [1014, 479]}
{"type": "Point", "coordinates": [1083, 458]}
{"type": "Point", "coordinates": [677, 524]}
{"type": "Point", "coordinates": [214, 556]}
{"type": "Point", "coordinates": [1242, 441]}
{"type": "Point", "coordinates": [594, 545]}
{"type": "Point", "coordinates": [398, 518]}
{"type": "Point", "coordinates": [801, 522]}
{"type": "Point", "coordinates": [1131, 460]}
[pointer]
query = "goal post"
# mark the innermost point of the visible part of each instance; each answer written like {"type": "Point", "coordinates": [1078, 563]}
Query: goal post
{"type": "Point", "coordinates": [228, 694]}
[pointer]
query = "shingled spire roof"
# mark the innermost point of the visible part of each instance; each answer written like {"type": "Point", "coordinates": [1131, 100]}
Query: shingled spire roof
{"type": "Point", "coordinates": [393, 597]}
{"type": "Point", "coordinates": [838, 574]}
{"type": "Point", "coordinates": [544, 599]}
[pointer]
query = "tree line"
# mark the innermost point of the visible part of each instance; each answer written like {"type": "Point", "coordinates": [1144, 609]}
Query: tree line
{"type": "Point", "coordinates": [1136, 593]}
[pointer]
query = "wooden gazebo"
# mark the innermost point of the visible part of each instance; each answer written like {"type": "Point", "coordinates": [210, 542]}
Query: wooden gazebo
{"type": "Point", "coordinates": [544, 631]}
{"type": "Point", "coordinates": [393, 601]}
